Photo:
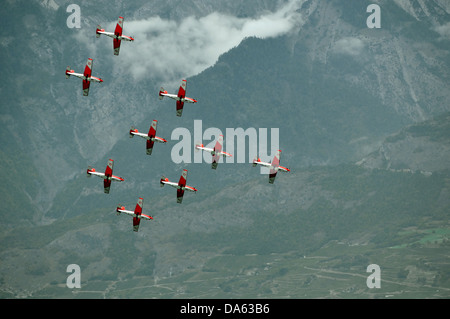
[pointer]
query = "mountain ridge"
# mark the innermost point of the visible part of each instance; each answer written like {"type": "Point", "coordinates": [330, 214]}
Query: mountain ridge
{"type": "Point", "coordinates": [336, 90]}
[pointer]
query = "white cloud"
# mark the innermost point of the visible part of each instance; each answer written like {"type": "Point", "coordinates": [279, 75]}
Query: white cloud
{"type": "Point", "coordinates": [349, 45]}
{"type": "Point", "coordinates": [443, 30]}
{"type": "Point", "coordinates": [171, 50]}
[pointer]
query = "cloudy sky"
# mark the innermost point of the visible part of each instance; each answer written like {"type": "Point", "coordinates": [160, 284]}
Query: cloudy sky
{"type": "Point", "coordinates": [177, 49]}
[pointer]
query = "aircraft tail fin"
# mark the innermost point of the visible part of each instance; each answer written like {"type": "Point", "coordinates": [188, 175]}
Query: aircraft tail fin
{"type": "Point", "coordinates": [67, 72]}
{"type": "Point", "coordinates": [161, 92]}
{"type": "Point", "coordinates": [90, 169]}
{"type": "Point", "coordinates": [118, 209]}
{"type": "Point", "coordinates": [99, 29]}
{"type": "Point", "coordinates": [132, 129]}
{"type": "Point", "coordinates": [163, 178]}
{"type": "Point", "coordinates": [255, 160]}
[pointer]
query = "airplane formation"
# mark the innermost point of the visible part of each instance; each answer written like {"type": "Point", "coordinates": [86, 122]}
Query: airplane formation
{"type": "Point", "coordinates": [151, 138]}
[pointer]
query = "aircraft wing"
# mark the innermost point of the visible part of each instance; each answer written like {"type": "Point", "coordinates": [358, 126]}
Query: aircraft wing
{"type": "Point", "coordinates": [116, 45]}
{"type": "Point", "coordinates": [87, 74]}
{"type": "Point", "coordinates": [274, 167]}
{"type": "Point", "coordinates": [109, 167]}
{"type": "Point", "coordinates": [179, 107]}
{"type": "Point", "coordinates": [149, 146]}
{"type": "Point", "coordinates": [151, 137]}
{"type": "Point", "coordinates": [136, 217]}
{"type": "Point", "coordinates": [106, 185]}
{"type": "Point", "coordinates": [137, 213]}
{"type": "Point", "coordinates": [182, 90]}
{"type": "Point", "coordinates": [183, 178]}
{"type": "Point", "coordinates": [272, 175]}
{"type": "Point", "coordinates": [117, 36]}
{"type": "Point", "coordinates": [119, 27]}
{"type": "Point", "coordinates": [108, 176]}
{"type": "Point", "coordinates": [181, 97]}
{"type": "Point", "coordinates": [88, 68]}
{"type": "Point", "coordinates": [216, 153]}
{"type": "Point", "coordinates": [86, 85]}
{"type": "Point", "coordinates": [152, 130]}
{"type": "Point", "coordinates": [215, 160]}
{"type": "Point", "coordinates": [276, 159]}
{"type": "Point", "coordinates": [137, 221]}
{"type": "Point", "coordinates": [139, 205]}
{"type": "Point", "coordinates": [180, 193]}
{"type": "Point", "coordinates": [181, 186]}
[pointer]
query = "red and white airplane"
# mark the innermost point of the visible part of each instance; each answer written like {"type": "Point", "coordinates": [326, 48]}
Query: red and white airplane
{"type": "Point", "coordinates": [274, 166]}
{"type": "Point", "coordinates": [117, 35]}
{"type": "Point", "coordinates": [86, 76]}
{"type": "Point", "coordinates": [150, 137]}
{"type": "Point", "coordinates": [181, 186]}
{"type": "Point", "coordinates": [180, 97]}
{"type": "Point", "coordinates": [216, 152]}
{"type": "Point", "coordinates": [137, 213]}
{"type": "Point", "coordinates": [107, 176]}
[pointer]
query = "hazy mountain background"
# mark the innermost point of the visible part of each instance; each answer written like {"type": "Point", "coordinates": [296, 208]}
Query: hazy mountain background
{"type": "Point", "coordinates": [363, 116]}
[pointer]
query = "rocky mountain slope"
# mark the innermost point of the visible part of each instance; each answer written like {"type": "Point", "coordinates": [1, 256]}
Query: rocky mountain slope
{"type": "Point", "coordinates": [331, 84]}
{"type": "Point", "coordinates": [415, 148]}
{"type": "Point", "coordinates": [338, 92]}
